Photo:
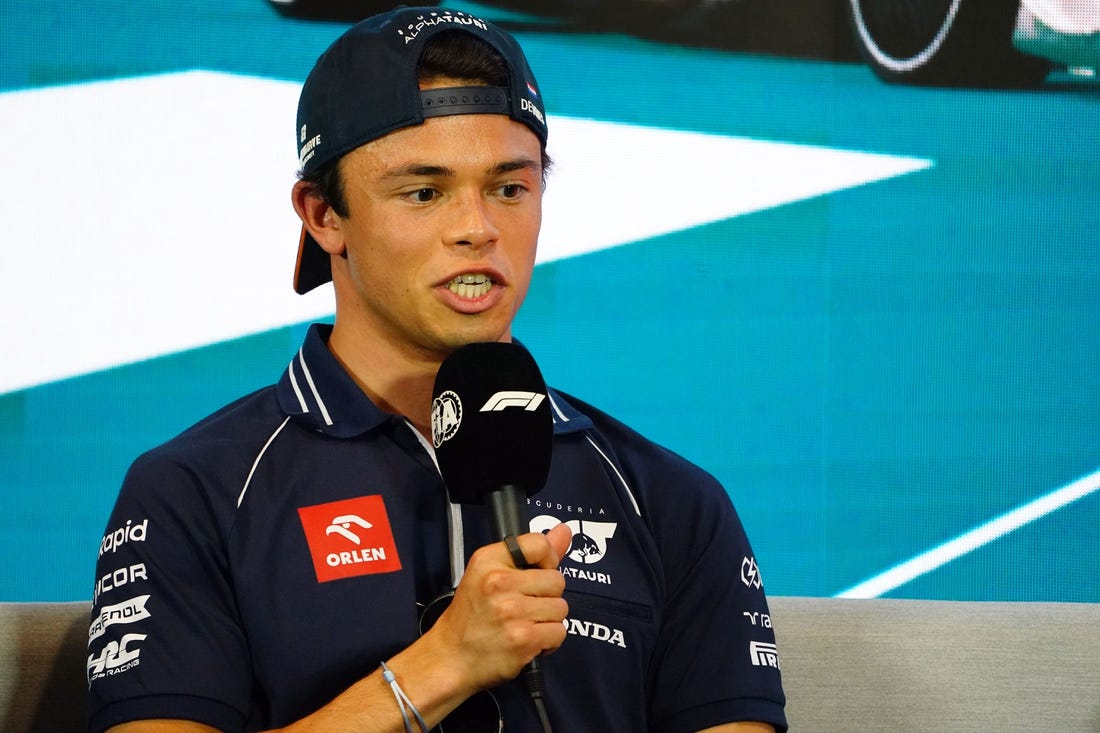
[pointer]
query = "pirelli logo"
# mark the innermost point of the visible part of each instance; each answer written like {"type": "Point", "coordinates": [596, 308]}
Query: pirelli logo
{"type": "Point", "coordinates": [763, 654]}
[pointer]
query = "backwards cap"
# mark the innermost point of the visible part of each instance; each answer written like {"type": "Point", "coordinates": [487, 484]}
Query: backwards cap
{"type": "Point", "coordinates": [365, 86]}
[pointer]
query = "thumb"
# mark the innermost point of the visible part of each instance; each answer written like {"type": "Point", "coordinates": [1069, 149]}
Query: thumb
{"type": "Point", "coordinates": [561, 538]}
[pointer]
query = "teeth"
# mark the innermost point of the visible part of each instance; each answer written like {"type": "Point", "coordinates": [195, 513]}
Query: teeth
{"type": "Point", "coordinates": [470, 285]}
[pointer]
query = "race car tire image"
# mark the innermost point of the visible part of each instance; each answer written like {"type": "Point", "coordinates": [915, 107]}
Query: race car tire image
{"type": "Point", "coordinates": [943, 42]}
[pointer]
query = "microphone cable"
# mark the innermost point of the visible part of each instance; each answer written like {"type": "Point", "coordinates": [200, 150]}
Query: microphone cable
{"type": "Point", "coordinates": [536, 688]}
{"type": "Point", "coordinates": [532, 672]}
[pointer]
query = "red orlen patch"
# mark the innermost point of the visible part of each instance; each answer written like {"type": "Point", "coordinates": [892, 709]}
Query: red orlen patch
{"type": "Point", "coordinates": [350, 537]}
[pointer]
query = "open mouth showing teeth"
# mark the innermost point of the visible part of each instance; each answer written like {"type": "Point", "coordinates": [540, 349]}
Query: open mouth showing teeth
{"type": "Point", "coordinates": [470, 286]}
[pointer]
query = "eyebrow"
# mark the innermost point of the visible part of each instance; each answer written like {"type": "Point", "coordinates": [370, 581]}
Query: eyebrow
{"type": "Point", "coordinates": [418, 170]}
{"type": "Point", "coordinates": [520, 164]}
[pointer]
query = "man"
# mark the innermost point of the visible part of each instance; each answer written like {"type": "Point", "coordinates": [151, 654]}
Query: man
{"type": "Point", "coordinates": [266, 569]}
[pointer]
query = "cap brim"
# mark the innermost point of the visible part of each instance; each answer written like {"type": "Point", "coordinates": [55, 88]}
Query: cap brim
{"type": "Point", "coordinates": [313, 267]}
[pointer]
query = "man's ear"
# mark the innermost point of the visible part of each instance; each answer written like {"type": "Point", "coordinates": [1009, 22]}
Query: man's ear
{"type": "Point", "coordinates": [318, 218]}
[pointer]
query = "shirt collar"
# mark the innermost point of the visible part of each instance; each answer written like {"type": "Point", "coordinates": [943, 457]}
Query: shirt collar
{"type": "Point", "coordinates": [317, 392]}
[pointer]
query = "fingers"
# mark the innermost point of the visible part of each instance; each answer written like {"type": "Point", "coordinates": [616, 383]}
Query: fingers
{"type": "Point", "coordinates": [545, 550]}
{"type": "Point", "coordinates": [528, 625]}
{"type": "Point", "coordinates": [547, 633]}
{"type": "Point", "coordinates": [502, 617]}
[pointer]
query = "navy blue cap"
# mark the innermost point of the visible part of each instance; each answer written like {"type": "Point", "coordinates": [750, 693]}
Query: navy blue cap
{"type": "Point", "coordinates": [365, 86]}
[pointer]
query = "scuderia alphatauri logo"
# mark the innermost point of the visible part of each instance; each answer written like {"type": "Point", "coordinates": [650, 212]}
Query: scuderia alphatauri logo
{"type": "Point", "coordinates": [589, 545]}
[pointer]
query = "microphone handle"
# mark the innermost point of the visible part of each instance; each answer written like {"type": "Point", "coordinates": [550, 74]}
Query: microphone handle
{"type": "Point", "coordinates": [507, 511]}
{"type": "Point", "coordinates": [508, 516]}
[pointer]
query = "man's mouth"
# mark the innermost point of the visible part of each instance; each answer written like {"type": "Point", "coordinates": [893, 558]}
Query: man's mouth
{"type": "Point", "coordinates": [470, 286]}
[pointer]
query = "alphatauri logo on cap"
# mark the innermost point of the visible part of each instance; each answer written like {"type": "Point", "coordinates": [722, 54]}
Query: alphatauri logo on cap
{"type": "Point", "coordinates": [349, 538]}
{"type": "Point", "coordinates": [412, 30]}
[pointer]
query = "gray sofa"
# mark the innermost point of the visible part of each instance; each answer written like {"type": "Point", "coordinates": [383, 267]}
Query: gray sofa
{"type": "Point", "coordinates": [848, 665]}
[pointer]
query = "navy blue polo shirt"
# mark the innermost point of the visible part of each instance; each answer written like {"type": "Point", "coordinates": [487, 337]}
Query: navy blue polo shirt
{"type": "Point", "coordinates": [267, 558]}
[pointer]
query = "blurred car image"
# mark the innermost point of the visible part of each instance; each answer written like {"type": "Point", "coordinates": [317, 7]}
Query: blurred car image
{"type": "Point", "coordinates": [976, 42]}
{"type": "Point", "coordinates": [980, 43]}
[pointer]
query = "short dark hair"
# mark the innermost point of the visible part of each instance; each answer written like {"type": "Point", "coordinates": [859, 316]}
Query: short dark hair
{"type": "Point", "coordinates": [450, 54]}
{"type": "Point", "coordinates": [459, 55]}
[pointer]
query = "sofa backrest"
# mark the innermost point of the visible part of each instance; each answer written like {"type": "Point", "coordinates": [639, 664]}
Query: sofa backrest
{"type": "Point", "coordinates": [902, 665]}
{"type": "Point", "coordinates": [885, 666]}
{"type": "Point", "coordinates": [43, 663]}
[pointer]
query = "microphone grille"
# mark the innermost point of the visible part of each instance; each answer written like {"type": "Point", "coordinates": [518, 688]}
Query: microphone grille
{"type": "Point", "coordinates": [491, 422]}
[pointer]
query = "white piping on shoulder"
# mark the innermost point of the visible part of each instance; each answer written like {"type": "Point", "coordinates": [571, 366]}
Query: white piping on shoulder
{"type": "Point", "coordinates": [563, 418]}
{"type": "Point", "coordinates": [260, 455]}
{"type": "Point", "coordinates": [629, 493]}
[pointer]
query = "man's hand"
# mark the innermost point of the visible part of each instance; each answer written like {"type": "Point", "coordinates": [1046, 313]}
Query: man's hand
{"type": "Point", "coordinates": [502, 617]}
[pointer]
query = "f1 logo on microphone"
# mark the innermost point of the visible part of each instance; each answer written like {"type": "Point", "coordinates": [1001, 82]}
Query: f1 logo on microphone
{"type": "Point", "coordinates": [529, 401]}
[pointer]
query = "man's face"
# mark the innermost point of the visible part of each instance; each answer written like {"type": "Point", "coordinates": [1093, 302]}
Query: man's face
{"type": "Point", "coordinates": [441, 233]}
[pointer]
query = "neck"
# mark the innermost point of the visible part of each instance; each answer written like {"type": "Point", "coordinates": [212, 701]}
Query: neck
{"type": "Point", "coordinates": [398, 380]}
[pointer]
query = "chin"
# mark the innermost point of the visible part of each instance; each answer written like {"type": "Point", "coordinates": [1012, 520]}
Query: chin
{"type": "Point", "coordinates": [469, 335]}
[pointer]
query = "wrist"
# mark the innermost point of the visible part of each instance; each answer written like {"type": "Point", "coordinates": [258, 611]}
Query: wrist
{"type": "Point", "coordinates": [432, 676]}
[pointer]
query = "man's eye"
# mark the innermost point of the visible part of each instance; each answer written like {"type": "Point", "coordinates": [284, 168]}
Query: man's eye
{"type": "Point", "coordinates": [422, 195]}
{"type": "Point", "coordinates": [511, 190]}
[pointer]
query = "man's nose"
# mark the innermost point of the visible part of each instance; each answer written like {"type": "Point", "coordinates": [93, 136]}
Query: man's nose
{"type": "Point", "coordinates": [472, 222]}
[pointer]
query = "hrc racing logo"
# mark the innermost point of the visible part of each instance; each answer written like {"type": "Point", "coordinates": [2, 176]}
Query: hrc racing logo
{"type": "Point", "coordinates": [116, 657]}
{"type": "Point", "coordinates": [349, 538]}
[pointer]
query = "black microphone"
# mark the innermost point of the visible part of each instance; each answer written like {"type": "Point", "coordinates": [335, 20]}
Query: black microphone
{"type": "Point", "coordinates": [493, 436]}
{"type": "Point", "coordinates": [492, 431]}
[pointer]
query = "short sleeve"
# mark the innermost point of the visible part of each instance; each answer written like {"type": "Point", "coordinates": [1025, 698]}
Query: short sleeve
{"type": "Point", "coordinates": [165, 639]}
{"type": "Point", "coordinates": [716, 659]}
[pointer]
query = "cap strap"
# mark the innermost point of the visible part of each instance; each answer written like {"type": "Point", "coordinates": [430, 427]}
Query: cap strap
{"type": "Point", "coordinates": [464, 101]}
